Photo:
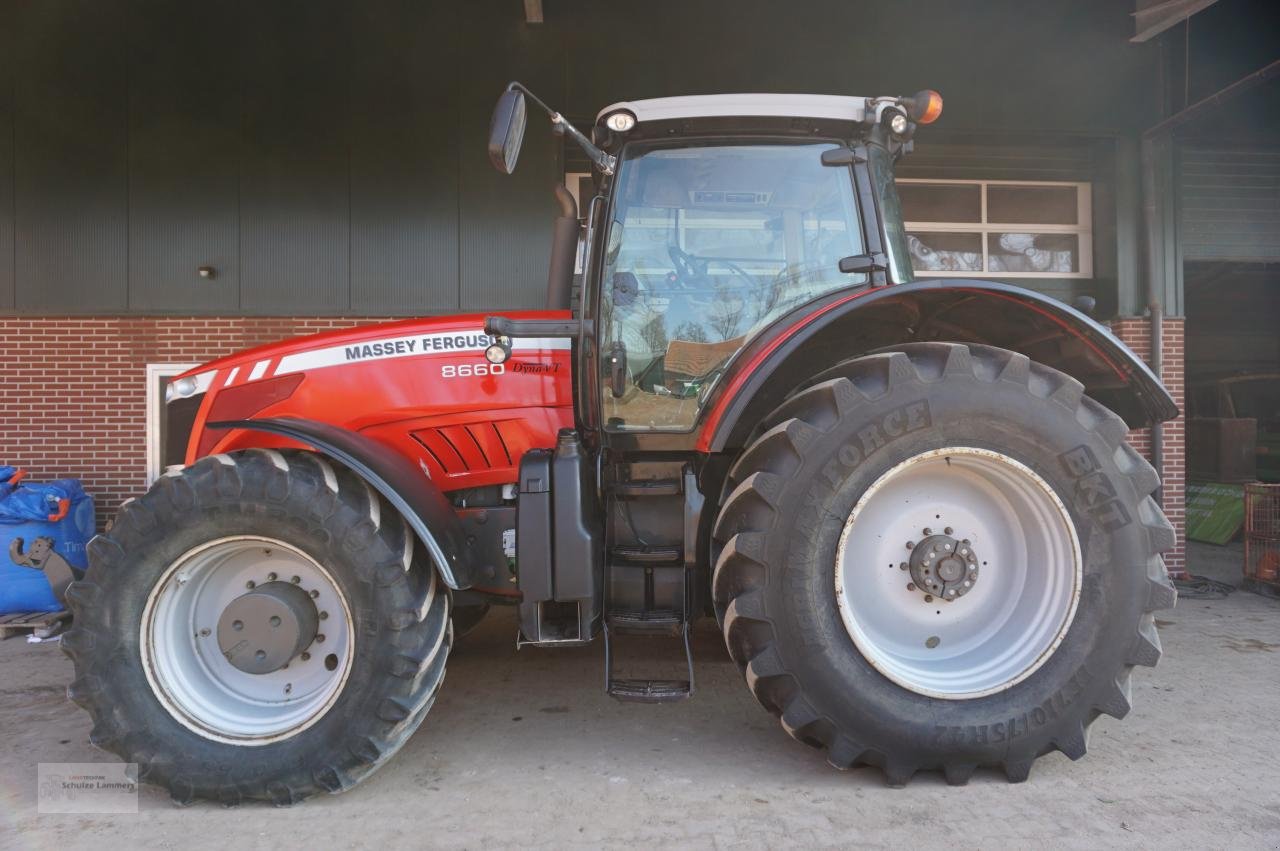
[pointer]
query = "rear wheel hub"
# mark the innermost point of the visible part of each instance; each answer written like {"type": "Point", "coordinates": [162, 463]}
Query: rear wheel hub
{"type": "Point", "coordinates": [943, 567]}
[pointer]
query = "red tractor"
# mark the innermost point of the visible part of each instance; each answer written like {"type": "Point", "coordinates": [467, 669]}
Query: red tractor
{"type": "Point", "coordinates": [909, 504]}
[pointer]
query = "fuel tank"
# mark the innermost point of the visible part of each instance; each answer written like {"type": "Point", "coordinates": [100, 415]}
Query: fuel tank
{"type": "Point", "coordinates": [421, 386]}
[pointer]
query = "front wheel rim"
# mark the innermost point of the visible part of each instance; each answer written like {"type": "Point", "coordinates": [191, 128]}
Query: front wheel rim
{"type": "Point", "coordinates": [193, 680]}
{"type": "Point", "coordinates": [1012, 595]}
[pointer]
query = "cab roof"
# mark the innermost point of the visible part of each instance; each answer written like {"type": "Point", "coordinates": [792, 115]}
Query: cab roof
{"type": "Point", "coordinates": [828, 107]}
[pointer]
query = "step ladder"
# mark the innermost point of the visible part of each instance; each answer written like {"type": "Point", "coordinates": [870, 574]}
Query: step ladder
{"type": "Point", "coordinates": [651, 622]}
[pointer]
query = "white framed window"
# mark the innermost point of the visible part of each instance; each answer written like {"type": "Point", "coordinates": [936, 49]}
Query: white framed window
{"type": "Point", "coordinates": [158, 375]}
{"type": "Point", "coordinates": [998, 228]}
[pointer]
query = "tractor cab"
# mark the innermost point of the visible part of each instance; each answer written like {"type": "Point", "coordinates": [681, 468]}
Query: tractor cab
{"type": "Point", "coordinates": [714, 216]}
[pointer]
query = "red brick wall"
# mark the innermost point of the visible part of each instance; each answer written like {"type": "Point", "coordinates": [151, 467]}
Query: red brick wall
{"type": "Point", "coordinates": [1136, 333]}
{"type": "Point", "coordinates": [73, 390]}
{"type": "Point", "coordinates": [73, 393]}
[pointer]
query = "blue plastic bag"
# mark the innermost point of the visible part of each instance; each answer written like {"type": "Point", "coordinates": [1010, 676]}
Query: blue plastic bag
{"type": "Point", "coordinates": [9, 478]}
{"type": "Point", "coordinates": [43, 532]}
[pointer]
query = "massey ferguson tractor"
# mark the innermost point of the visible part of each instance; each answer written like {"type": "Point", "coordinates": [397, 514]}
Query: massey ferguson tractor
{"type": "Point", "coordinates": [908, 504]}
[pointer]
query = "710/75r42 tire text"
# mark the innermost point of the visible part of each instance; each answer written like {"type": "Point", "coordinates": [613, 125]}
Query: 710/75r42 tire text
{"type": "Point", "coordinates": [941, 557]}
{"type": "Point", "coordinates": [150, 652]}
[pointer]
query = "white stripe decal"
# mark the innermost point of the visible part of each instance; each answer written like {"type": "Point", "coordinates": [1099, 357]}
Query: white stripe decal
{"type": "Point", "coordinates": [416, 345]}
{"type": "Point", "coordinates": [231, 379]}
{"type": "Point", "coordinates": [259, 369]}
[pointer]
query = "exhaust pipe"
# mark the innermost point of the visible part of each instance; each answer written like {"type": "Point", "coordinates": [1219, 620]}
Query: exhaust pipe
{"type": "Point", "coordinates": [564, 248]}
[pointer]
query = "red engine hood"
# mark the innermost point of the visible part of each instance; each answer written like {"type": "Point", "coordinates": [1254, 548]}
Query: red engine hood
{"type": "Point", "coordinates": [402, 382]}
{"type": "Point", "coordinates": [467, 323]}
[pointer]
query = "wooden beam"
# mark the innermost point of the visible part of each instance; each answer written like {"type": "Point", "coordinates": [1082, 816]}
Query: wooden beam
{"type": "Point", "coordinates": [1153, 17]}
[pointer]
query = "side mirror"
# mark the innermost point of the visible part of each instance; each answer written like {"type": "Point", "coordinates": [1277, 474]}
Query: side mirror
{"type": "Point", "coordinates": [506, 131]}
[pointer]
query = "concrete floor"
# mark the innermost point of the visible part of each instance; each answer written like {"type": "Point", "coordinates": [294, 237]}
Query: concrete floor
{"type": "Point", "coordinates": [523, 750]}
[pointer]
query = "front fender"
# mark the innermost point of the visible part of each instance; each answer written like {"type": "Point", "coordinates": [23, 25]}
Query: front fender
{"type": "Point", "coordinates": [956, 310]}
{"type": "Point", "coordinates": [422, 504]}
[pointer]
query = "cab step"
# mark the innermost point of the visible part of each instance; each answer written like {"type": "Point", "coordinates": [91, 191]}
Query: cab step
{"type": "Point", "coordinates": [646, 487]}
{"type": "Point", "coordinates": [646, 556]}
{"type": "Point", "coordinates": [651, 691]}
{"type": "Point", "coordinates": [653, 624]}
{"type": "Point", "coordinates": [646, 623]}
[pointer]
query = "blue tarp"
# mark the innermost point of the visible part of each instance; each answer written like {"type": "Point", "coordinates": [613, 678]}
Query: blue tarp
{"type": "Point", "coordinates": [9, 478]}
{"type": "Point", "coordinates": [43, 532]}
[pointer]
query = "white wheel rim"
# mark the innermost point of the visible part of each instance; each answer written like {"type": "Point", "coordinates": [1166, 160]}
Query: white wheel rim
{"type": "Point", "coordinates": [1021, 601]}
{"type": "Point", "coordinates": [194, 681]}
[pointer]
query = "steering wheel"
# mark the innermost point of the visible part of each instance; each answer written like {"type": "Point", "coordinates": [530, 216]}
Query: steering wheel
{"type": "Point", "coordinates": [688, 267]}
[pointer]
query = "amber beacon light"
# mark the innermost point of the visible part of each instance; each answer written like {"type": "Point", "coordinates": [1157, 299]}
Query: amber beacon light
{"type": "Point", "coordinates": [925, 107]}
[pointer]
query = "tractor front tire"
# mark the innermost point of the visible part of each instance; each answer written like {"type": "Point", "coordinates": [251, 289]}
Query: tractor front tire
{"type": "Point", "coordinates": [940, 558]}
{"type": "Point", "coordinates": [152, 666]}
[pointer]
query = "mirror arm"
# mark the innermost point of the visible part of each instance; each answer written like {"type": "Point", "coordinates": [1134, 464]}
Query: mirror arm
{"type": "Point", "coordinates": [603, 161]}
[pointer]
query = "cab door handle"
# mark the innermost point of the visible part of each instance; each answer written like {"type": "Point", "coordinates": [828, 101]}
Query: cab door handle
{"type": "Point", "coordinates": [618, 369]}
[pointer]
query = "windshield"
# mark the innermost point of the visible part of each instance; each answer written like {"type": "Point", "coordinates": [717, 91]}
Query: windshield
{"type": "Point", "coordinates": [707, 245]}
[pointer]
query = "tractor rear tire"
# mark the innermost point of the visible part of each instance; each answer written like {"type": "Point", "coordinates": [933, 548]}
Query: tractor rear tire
{"type": "Point", "coordinates": [829, 598]}
{"type": "Point", "coordinates": [155, 683]}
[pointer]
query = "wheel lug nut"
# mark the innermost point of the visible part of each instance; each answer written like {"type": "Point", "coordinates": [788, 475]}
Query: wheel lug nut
{"type": "Point", "coordinates": [928, 531]}
{"type": "Point", "coordinates": [204, 633]}
{"type": "Point", "coordinates": [250, 584]}
{"type": "Point", "coordinates": [911, 586]}
{"type": "Point", "coordinates": [296, 580]}
{"type": "Point", "coordinates": [271, 577]}
{"type": "Point", "coordinates": [324, 616]}
{"type": "Point", "coordinates": [928, 598]}
{"type": "Point", "coordinates": [947, 531]}
{"type": "Point", "coordinates": [903, 566]}
{"type": "Point", "coordinates": [320, 637]}
{"type": "Point", "coordinates": [910, 545]}
{"type": "Point", "coordinates": [306, 657]}
{"type": "Point", "coordinates": [315, 594]}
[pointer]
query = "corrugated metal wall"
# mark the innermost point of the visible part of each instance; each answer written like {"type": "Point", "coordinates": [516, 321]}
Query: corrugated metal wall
{"type": "Point", "coordinates": [323, 156]}
{"type": "Point", "coordinates": [6, 159]}
{"type": "Point", "coordinates": [327, 156]}
{"type": "Point", "coordinates": [1230, 201]}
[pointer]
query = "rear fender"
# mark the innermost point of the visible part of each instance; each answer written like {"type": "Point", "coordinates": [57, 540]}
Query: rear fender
{"type": "Point", "coordinates": [422, 504]}
{"type": "Point", "coordinates": [953, 310]}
